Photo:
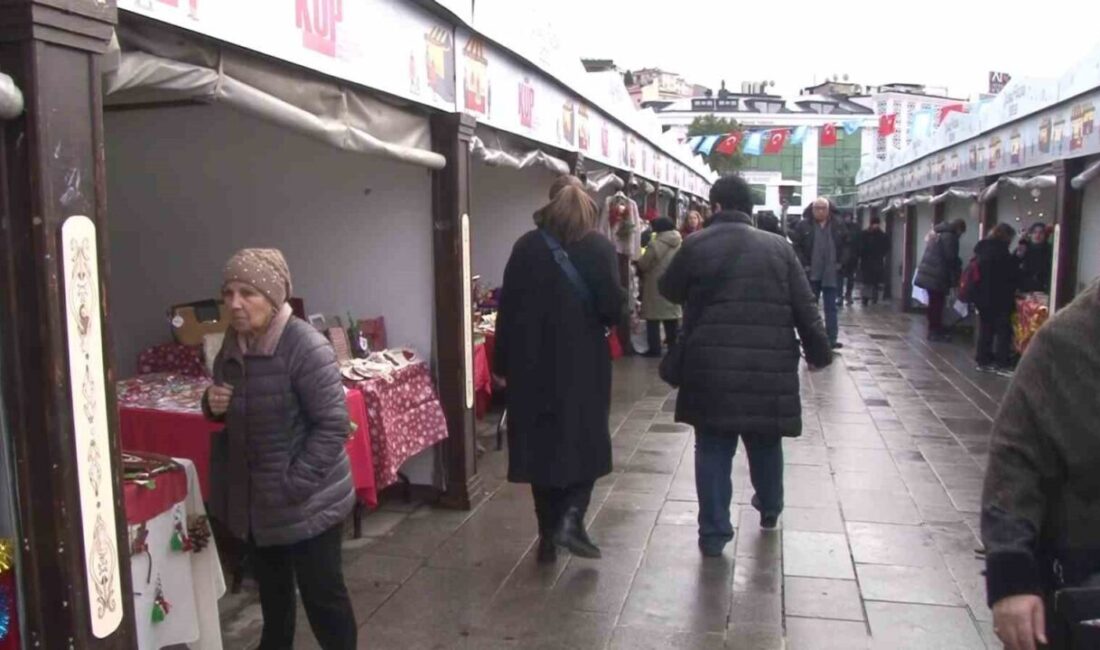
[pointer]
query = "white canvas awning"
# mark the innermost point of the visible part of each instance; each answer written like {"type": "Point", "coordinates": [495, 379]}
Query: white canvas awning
{"type": "Point", "coordinates": [157, 65]}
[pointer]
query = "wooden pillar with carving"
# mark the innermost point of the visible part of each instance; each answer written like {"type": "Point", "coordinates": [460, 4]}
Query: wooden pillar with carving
{"type": "Point", "coordinates": [451, 135]}
{"type": "Point", "coordinates": [57, 382]}
{"type": "Point", "coordinates": [1067, 224]}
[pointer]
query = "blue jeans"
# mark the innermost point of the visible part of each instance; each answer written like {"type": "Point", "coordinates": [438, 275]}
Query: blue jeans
{"type": "Point", "coordinates": [714, 451]}
{"type": "Point", "coordinates": [828, 294]}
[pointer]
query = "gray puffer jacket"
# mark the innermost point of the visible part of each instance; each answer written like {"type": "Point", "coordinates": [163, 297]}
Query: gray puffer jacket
{"type": "Point", "coordinates": [280, 471]}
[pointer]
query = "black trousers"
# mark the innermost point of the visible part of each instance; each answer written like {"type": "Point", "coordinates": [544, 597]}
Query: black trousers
{"type": "Point", "coordinates": [994, 339]}
{"type": "Point", "coordinates": [551, 503]}
{"type": "Point", "coordinates": [653, 334]}
{"type": "Point", "coordinates": [316, 563]}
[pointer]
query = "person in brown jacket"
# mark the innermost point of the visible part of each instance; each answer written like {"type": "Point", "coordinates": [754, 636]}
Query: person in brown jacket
{"type": "Point", "coordinates": [1041, 501]}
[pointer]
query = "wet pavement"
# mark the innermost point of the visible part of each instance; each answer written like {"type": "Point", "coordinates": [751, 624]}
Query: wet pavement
{"type": "Point", "coordinates": [876, 547]}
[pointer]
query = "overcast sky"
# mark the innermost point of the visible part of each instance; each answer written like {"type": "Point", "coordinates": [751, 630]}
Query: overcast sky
{"type": "Point", "coordinates": [952, 43]}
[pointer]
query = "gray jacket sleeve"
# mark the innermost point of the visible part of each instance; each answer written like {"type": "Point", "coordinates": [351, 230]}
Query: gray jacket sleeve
{"type": "Point", "coordinates": [315, 376]}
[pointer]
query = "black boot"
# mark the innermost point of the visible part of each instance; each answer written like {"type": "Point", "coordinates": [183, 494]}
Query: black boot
{"type": "Point", "coordinates": [571, 535]}
{"type": "Point", "coordinates": [547, 553]}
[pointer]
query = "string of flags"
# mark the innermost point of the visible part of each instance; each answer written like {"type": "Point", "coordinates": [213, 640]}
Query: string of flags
{"type": "Point", "coordinates": [767, 142]}
{"type": "Point", "coordinates": [922, 123]}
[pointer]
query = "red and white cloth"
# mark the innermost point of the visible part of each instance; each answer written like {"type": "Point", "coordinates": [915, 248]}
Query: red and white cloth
{"type": "Point", "coordinates": [405, 418]}
{"type": "Point", "coordinates": [172, 358]}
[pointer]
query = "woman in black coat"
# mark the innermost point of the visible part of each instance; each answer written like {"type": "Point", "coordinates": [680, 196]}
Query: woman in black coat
{"type": "Point", "coordinates": [874, 246]}
{"type": "Point", "coordinates": [552, 353]}
{"type": "Point", "coordinates": [995, 298]}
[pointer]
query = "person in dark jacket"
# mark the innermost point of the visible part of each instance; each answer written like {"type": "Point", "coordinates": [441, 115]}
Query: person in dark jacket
{"type": "Point", "coordinates": [824, 247]}
{"type": "Point", "coordinates": [939, 271]}
{"type": "Point", "coordinates": [995, 298]}
{"type": "Point", "coordinates": [745, 294]}
{"type": "Point", "coordinates": [851, 267]}
{"type": "Point", "coordinates": [768, 222]}
{"type": "Point", "coordinates": [874, 246]}
{"type": "Point", "coordinates": [551, 353]}
{"type": "Point", "coordinates": [286, 484]}
{"type": "Point", "coordinates": [1036, 259]}
{"type": "Point", "coordinates": [1041, 501]}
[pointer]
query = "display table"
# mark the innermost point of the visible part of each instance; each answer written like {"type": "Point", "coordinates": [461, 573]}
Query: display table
{"type": "Point", "coordinates": [184, 580]}
{"type": "Point", "coordinates": [405, 418]}
{"type": "Point", "coordinates": [162, 414]}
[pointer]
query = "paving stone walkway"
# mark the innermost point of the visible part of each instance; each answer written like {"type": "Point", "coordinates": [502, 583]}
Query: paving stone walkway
{"type": "Point", "coordinates": [876, 548]}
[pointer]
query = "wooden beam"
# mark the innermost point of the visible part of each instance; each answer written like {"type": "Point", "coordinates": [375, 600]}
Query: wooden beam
{"type": "Point", "coordinates": [451, 135]}
{"type": "Point", "coordinates": [53, 170]}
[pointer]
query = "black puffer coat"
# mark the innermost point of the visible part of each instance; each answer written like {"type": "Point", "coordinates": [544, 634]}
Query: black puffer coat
{"type": "Point", "coordinates": [745, 293]}
{"type": "Point", "coordinates": [995, 294]}
{"type": "Point", "coordinates": [286, 473]}
{"type": "Point", "coordinates": [874, 246]}
{"type": "Point", "coordinates": [940, 266]}
{"type": "Point", "coordinates": [553, 352]}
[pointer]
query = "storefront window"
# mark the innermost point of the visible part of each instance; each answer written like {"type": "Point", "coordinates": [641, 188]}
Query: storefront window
{"type": "Point", "coordinates": [789, 163]}
{"type": "Point", "coordinates": [837, 166]}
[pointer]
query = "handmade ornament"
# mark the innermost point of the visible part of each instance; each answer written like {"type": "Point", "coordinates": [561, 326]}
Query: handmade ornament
{"type": "Point", "coordinates": [181, 542]}
{"type": "Point", "coordinates": [139, 544]}
{"type": "Point", "coordinates": [198, 531]}
{"type": "Point", "coordinates": [6, 555]}
{"type": "Point", "coordinates": [6, 611]}
{"type": "Point", "coordinates": [161, 608]}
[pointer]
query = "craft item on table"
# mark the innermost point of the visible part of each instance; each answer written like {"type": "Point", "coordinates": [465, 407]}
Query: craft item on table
{"type": "Point", "coordinates": [379, 364]}
{"type": "Point", "coordinates": [6, 555]}
{"type": "Point", "coordinates": [174, 358]}
{"type": "Point", "coordinates": [1032, 311]}
{"type": "Point", "coordinates": [161, 608]}
{"type": "Point", "coordinates": [139, 545]}
{"type": "Point", "coordinates": [180, 542]}
{"type": "Point", "coordinates": [163, 392]}
{"type": "Point", "coordinates": [198, 531]}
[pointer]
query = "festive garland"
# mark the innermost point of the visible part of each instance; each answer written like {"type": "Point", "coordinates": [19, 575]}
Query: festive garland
{"type": "Point", "coordinates": [7, 600]}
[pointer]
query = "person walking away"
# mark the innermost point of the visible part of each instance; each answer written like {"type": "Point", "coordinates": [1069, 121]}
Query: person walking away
{"type": "Point", "coordinates": [850, 268]}
{"type": "Point", "coordinates": [940, 269]}
{"type": "Point", "coordinates": [657, 311]}
{"type": "Point", "coordinates": [874, 246]}
{"type": "Point", "coordinates": [560, 293]}
{"type": "Point", "coordinates": [822, 245]}
{"type": "Point", "coordinates": [286, 485]}
{"type": "Point", "coordinates": [1036, 255]}
{"type": "Point", "coordinates": [995, 298]}
{"type": "Point", "coordinates": [745, 294]}
{"type": "Point", "coordinates": [768, 222]}
{"type": "Point", "coordinates": [692, 224]}
{"type": "Point", "coordinates": [1040, 518]}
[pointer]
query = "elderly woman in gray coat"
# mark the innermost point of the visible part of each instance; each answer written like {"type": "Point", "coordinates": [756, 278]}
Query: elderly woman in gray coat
{"type": "Point", "coordinates": [287, 483]}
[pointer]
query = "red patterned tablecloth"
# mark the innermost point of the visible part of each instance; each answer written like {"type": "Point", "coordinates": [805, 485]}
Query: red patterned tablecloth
{"type": "Point", "coordinates": [163, 414]}
{"type": "Point", "coordinates": [483, 380]}
{"type": "Point", "coordinates": [405, 418]}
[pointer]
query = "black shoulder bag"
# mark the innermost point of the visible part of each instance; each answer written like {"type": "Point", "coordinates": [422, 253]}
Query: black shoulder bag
{"type": "Point", "coordinates": [580, 287]}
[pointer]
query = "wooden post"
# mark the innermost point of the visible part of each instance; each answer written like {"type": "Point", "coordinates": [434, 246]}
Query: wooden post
{"type": "Point", "coordinates": [451, 135]}
{"type": "Point", "coordinates": [1067, 221]}
{"type": "Point", "coordinates": [73, 543]}
{"type": "Point", "coordinates": [988, 209]}
{"type": "Point", "coordinates": [910, 261]}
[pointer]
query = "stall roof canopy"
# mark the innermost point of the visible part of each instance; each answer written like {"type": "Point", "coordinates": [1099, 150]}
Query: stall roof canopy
{"type": "Point", "coordinates": [1032, 122]}
{"type": "Point", "coordinates": [412, 50]}
{"type": "Point", "coordinates": [157, 65]}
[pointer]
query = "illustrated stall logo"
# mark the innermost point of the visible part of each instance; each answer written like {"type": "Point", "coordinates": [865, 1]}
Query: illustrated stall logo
{"type": "Point", "coordinates": [526, 104]}
{"type": "Point", "coordinates": [317, 19]}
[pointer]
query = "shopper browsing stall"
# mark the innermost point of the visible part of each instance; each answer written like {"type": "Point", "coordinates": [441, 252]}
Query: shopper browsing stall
{"type": "Point", "coordinates": [287, 487]}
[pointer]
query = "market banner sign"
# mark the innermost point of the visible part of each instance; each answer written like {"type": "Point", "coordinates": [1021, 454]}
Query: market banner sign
{"type": "Point", "coordinates": [1066, 130]}
{"type": "Point", "coordinates": [393, 46]}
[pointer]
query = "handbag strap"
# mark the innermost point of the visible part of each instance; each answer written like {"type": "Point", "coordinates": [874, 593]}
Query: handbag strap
{"type": "Point", "coordinates": [580, 287]}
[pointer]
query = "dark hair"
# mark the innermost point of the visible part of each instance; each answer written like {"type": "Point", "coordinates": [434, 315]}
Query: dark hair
{"type": "Point", "coordinates": [1038, 225]}
{"type": "Point", "coordinates": [959, 225]}
{"type": "Point", "coordinates": [1003, 231]}
{"type": "Point", "coordinates": [876, 220]}
{"type": "Point", "coordinates": [768, 222]}
{"type": "Point", "coordinates": [732, 193]}
{"type": "Point", "coordinates": [663, 224]}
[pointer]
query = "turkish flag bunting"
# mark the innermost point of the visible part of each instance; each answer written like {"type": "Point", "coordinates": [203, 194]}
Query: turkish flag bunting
{"type": "Point", "coordinates": [776, 139]}
{"type": "Point", "coordinates": [729, 144]}
{"type": "Point", "coordinates": [887, 124]}
{"type": "Point", "coordinates": [950, 108]}
{"type": "Point", "coordinates": [828, 135]}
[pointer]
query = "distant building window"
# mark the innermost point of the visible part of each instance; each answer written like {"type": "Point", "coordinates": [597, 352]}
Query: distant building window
{"type": "Point", "coordinates": [729, 105]}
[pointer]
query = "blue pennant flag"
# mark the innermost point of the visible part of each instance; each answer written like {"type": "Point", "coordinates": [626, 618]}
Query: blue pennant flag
{"type": "Point", "coordinates": [799, 134]}
{"type": "Point", "coordinates": [850, 127]}
{"type": "Point", "coordinates": [694, 141]}
{"type": "Point", "coordinates": [708, 144]}
{"type": "Point", "coordinates": [754, 144]}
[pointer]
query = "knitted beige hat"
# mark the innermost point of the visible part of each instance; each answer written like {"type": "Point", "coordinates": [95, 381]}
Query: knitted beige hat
{"type": "Point", "coordinates": [263, 268]}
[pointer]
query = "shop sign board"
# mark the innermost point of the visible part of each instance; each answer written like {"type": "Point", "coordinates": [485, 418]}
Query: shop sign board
{"type": "Point", "coordinates": [1066, 130]}
{"type": "Point", "coordinates": [91, 441]}
{"type": "Point", "coordinates": [390, 45]}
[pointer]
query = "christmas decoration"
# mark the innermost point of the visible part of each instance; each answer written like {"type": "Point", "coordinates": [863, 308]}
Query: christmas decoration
{"type": "Point", "coordinates": [139, 544]}
{"type": "Point", "coordinates": [180, 542]}
{"type": "Point", "coordinates": [198, 530]}
{"type": "Point", "coordinates": [161, 608]}
{"type": "Point", "coordinates": [6, 557]}
{"type": "Point", "coordinates": [6, 612]}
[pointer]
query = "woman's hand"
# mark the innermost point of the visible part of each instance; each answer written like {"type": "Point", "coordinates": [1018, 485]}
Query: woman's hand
{"type": "Point", "coordinates": [1020, 621]}
{"type": "Point", "coordinates": [217, 398]}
